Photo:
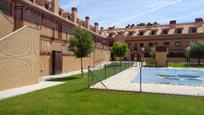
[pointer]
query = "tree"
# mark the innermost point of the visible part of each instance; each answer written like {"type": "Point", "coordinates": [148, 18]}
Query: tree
{"type": "Point", "coordinates": [152, 52]}
{"type": "Point", "coordinates": [188, 53]}
{"type": "Point", "coordinates": [120, 49]}
{"type": "Point", "coordinates": [197, 50]}
{"type": "Point", "coordinates": [81, 44]}
{"type": "Point", "coordinates": [141, 24]}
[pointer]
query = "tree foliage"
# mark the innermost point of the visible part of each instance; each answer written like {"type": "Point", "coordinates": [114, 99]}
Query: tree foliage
{"type": "Point", "coordinates": [120, 49]}
{"type": "Point", "coordinates": [152, 52]}
{"type": "Point", "coordinates": [197, 50]}
{"type": "Point", "coordinates": [81, 44]}
{"type": "Point", "coordinates": [141, 24]}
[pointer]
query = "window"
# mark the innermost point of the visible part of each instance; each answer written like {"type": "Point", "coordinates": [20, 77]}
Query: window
{"type": "Point", "coordinates": [141, 44]}
{"type": "Point", "coordinates": [65, 48]}
{"type": "Point", "coordinates": [155, 43]}
{"type": "Point", "coordinates": [153, 32]}
{"type": "Point", "coordinates": [47, 6]}
{"type": "Point", "coordinates": [135, 46]}
{"type": "Point", "coordinates": [120, 33]}
{"type": "Point", "coordinates": [151, 45]}
{"type": "Point", "coordinates": [130, 45]}
{"type": "Point", "coordinates": [193, 30]}
{"type": "Point", "coordinates": [189, 43]}
{"type": "Point", "coordinates": [141, 33]}
{"type": "Point", "coordinates": [110, 35]}
{"type": "Point", "coordinates": [67, 36]}
{"type": "Point", "coordinates": [60, 13]}
{"type": "Point", "coordinates": [130, 33]}
{"type": "Point", "coordinates": [165, 32]}
{"type": "Point", "coordinates": [166, 43]}
{"type": "Point", "coordinates": [69, 18]}
{"type": "Point", "coordinates": [178, 31]}
{"type": "Point", "coordinates": [178, 44]}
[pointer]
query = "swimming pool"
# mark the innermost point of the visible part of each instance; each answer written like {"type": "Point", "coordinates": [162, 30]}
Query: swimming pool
{"type": "Point", "coordinates": [171, 76]}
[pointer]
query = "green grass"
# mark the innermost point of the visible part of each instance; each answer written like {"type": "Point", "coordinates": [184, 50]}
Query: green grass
{"type": "Point", "coordinates": [150, 64]}
{"type": "Point", "coordinates": [73, 98]}
{"type": "Point", "coordinates": [184, 65]}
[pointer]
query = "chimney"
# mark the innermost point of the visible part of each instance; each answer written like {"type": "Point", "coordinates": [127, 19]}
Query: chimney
{"type": "Point", "coordinates": [87, 19]}
{"type": "Point", "coordinates": [55, 6]}
{"type": "Point", "coordinates": [173, 22]}
{"type": "Point", "coordinates": [39, 2]}
{"type": "Point", "coordinates": [199, 20]}
{"type": "Point", "coordinates": [96, 27]}
{"type": "Point", "coordinates": [74, 15]}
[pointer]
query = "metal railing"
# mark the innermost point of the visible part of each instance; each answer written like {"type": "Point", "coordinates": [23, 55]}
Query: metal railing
{"type": "Point", "coordinates": [108, 70]}
{"type": "Point", "coordinates": [6, 8]}
{"type": "Point", "coordinates": [93, 76]}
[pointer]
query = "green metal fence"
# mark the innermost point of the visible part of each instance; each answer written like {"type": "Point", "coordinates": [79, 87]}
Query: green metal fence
{"type": "Point", "coordinates": [108, 70]}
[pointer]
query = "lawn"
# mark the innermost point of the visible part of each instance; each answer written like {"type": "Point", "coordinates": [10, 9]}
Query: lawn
{"type": "Point", "coordinates": [73, 98]}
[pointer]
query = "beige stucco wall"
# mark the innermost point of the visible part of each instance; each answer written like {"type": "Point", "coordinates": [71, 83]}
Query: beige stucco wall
{"type": "Point", "coordinates": [6, 25]}
{"type": "Point", "coordinates": [19, 58]}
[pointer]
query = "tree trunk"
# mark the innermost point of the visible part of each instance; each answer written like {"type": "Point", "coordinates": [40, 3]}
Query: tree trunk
{"type": "Point", "coordinates": [121, 59]}
{"type": "Point", "coordinates": [82, 72]}
{"type": "Point", "coordinates": [198, 60]}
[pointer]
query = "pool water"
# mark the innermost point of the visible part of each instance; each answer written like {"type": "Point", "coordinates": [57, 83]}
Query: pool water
{"type": "Point", "coordinates": [171, 76]}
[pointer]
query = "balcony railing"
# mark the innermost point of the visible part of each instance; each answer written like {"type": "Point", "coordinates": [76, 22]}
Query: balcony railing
{"type": "Point", "coordinates": [6, 7]}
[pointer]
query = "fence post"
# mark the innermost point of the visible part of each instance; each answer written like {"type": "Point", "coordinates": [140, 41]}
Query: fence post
{"type": "Point", "coordinates": [105, 70]}
{"type": "Point", "coordinates": [141, 76]}
{"type": "Point", "coordinates": [88, 76]}
{"type": "Point", "coordinates": [126, 65]}
{"type": "Point", "coordinates": [121, 65]}
{"type": "Point", "coordinates": [114, 69]}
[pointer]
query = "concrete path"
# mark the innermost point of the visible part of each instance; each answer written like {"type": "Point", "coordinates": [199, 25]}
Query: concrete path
{"type": "Point", "coordinates": [124, 81]}
{"type": "Point", "coordinates": [27, 89]}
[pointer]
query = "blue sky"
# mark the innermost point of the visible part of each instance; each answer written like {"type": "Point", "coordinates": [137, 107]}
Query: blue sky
{"type": "Point", "coordinates": [120, 13]}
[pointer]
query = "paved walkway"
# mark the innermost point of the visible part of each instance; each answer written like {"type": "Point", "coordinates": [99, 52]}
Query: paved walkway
{"type": "Point", "coordinates": [123, 81]}
{"type": "Point", "coordinates": [27, 89]}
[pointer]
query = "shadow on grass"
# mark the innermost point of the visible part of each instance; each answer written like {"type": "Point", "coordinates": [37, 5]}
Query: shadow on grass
{"type": "Point", "coordinates": [65, 78]}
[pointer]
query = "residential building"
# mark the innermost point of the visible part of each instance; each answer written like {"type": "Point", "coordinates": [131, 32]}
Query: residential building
{"type": "Point", "coordinates": [34, 38]}
{"type": "Point", "coordinates": [175, 36]}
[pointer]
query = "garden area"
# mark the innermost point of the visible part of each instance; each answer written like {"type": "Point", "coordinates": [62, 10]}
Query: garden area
{"type": "Point", "coordinates": [74, 97]}
{"type": "Point", "coordinates": [185, 65]}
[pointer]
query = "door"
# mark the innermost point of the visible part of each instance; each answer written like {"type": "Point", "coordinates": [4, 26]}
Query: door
{"type": "Point", "coordinates": [57, 58]}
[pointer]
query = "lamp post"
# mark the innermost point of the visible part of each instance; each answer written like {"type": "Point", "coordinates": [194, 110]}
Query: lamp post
{"type": "Point", "coordinates": [141, 65]}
